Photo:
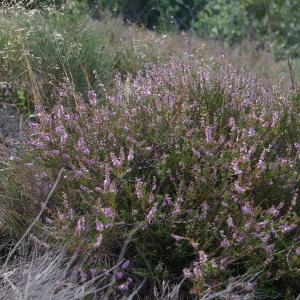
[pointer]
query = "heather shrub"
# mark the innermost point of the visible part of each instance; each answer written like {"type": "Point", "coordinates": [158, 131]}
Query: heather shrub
{"type": "Point", "coordinates": [200, 163]}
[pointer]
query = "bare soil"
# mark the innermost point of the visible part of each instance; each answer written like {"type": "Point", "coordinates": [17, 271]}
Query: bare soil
{"type": "Point", "coordinates": [9, 121]}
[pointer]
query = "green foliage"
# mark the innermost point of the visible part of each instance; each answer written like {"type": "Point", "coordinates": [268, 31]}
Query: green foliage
{"type": "Point", "coordinates": [230, 21]}
{"type": "Point", "coordinates": [285, 28]}
{"type": "Point", "coordinates": [275, 22]}
{"type": "Point", "coordinates": [156, 13]}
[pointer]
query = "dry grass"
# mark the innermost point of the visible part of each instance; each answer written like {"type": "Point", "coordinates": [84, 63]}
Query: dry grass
{"type": "Point", "coordinates": [39, 51]}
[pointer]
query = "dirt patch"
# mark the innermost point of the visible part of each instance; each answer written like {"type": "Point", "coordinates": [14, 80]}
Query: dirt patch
{"type": "Point", "coordinates": [9, 121]}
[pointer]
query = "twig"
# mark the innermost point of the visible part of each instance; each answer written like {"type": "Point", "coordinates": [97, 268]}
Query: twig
{"type": "Point", "coordinates": [135, 292]}
{"type": "Point", "coordinates": [290, 64]}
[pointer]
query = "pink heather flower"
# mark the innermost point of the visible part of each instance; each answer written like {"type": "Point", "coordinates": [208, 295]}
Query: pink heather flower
{"type": "Point", "coordinates": [232, 124]}
{"type": "Point", "coordinates": [204, 208]}
{"type": "Point", "coordinates": [251, 132]}
{"type": "Point", "coordinates": [202, 256]}
{"type": "Point", "coordinates": [62, 93]}
{"type": "Point", "coordinates": [221, 140]}
{"type": "Point", "coordinates": [247, 209]}
{"type": "Point", "coordinates": [261, 225]}
{"type": "Point", "coordinates": [285, 228]}
{"type": "Point", "coordinates": [177, 237]}
{"type": "Point", "coordinates": [59, 130]}
{"type": "Point", "coordinates": [152, 213]}
{"type": "Point", "coordinates": [236, 169]}
{"type": "Point", "coordinates": [85, 189]}
{"type": "Point", "coordinates": [261, 165]}
{"type": "Point", "coordinates": [98, 242]}
{"type": "Point", "coordinates": [113, 187]}
{"type": "Point", "coordinates": [80, 227]}
{"type": "Point", "coordinates": [49, 221]}
{"type": "Point", "coordinates": [44, 246]}
{"type": "Point", "coordinates": [108, 212]}
{"type": "Point", "coordinates": [92, 98]}
{"type": "Point", "coordinates": [107, 180]}
{"type": "Point", "coordinates": [187, 273]}
{"type": "Point", "coordinates": [65, 156]}
{"type": "Point", "coordinates": [83, 147]}
{"type": "Point", "coordinates": [237, 237]}
{"type": "Point", "coordinates": [223, 264]}
{"type": "Point", "coordinates": [197, 273]}
{"type": "Point", "coordinates": [98, 189]}
{"type": "Point", "coordinates": [130, 155]}
{"type": "Point", "coordinates": [63, 138]}
{"type": "Point", "coordinates": [230, 222]}
{"type": "Point", "coordinates": [273, 211]}
{"type": "Point", "coordinates": [93, 272]}
{"type": "Point", "coordinates": [125, 264]}
{"type": "Point", "coordinates": [119, 276]}
{"type": "Point", "coordinates": [99, 226]}
{"type": "Point", "coordinates": [213, 263]}
{"type": "Point", "coordinates": [275, 119]}
{"type": "Point", "coordinates": [66, 202]}
{"type": "Point", "coordinates": [83, 277]}
{"type": "Point", "coordinates": [269, 249]}
{"type": "Point", "coordinates": [248, 224]}
{"type": "Point", "coordinates": [59, 112]}
{"type": "Point", "coordinates": [151, 198]}
{"type": "Point", "coordinates": [177, 209]}
{"type": "Point", "coordinates": [209, 130]}
{"type": "Point", "coordinates": [29, 165]}
{"type": "Point", "coordinates": [70, 214]}
{"type": "Point", "coordinates": [125, 286]}
{"type": "Point", "coordinates": [249, 286]}
{"type": "Point", "coordinates": [265, 238]}
{"type": "Point", "coordinates": [41, 175]}
{"type": "Point", "coordinates": [297, 251]}
{"type": "Point", "coordinates": [195, 245]}
{"type": "Point", "coordinates": [238, 188]}
{"type": "Point", "coordinates": [138, 189]}
{"type": "Point", "coordinates": [252, 150]}
{"type": "Point", "coordinates": [168, 200]}
{"type": "Point", "coordinates": [115, 161]}
{"type": "Point", "coordinates": [297, 146]}
{"type": "Point", "coordinates": [154, 186]}
{"type": "Point", "coordinates": [54, 152]}
{"type": "Point", "coordinates": [294, 201]}
{"type": "Point", "coordinates": [61, 217]}
{"type": "Point", "coordinates": [196, 153]}
{"type": "Point", "coordinates": [79, 174]}
{"type": "Point", "coordinates": [225, 243]}
{"type": "Point", "coordinates": [245, 158]}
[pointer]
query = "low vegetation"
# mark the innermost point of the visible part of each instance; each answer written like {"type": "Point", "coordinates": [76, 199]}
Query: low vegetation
{"type": "Point", "coordinates": [152, 161]}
